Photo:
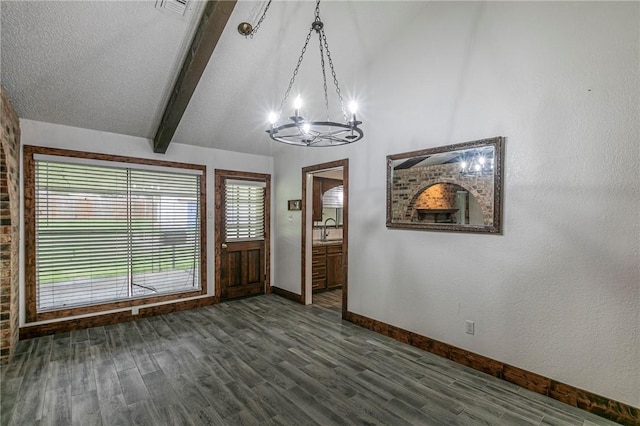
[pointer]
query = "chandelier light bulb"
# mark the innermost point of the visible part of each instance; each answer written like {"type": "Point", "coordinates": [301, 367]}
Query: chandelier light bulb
{"type": "Point", "coordinates": [353, 106]}
{"type": "Point", "coordinates": [463, 165]}
{"type": "Point", "coordinates": [273, 117]}
{"type": "Point", "coordinates": [297, 104]}
{"type": "Point", "coordinates": [481, 160]}
{"type": "Point", "coordinates": [477, 167]}
{"type": "Point", "coordinates": [306, 128]}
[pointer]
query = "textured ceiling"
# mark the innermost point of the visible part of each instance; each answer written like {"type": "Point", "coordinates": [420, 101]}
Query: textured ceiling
{"type": "Point", "coordinates": [104, 65]}
{"type": "Point", "coordinates": [110, 65]}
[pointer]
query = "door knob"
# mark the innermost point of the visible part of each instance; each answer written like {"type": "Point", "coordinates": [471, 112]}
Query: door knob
{"type": "Point", "coordinates": [224, 245]}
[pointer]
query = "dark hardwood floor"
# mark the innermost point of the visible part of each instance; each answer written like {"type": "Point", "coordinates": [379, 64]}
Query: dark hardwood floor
{"type": "Point", "coordinates": [257, 361]}
{"type": "Point", "coordinates": [331, 299]}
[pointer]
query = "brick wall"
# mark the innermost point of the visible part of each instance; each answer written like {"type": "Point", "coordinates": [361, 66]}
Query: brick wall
{"type": "Point", "coordinates": [438, 196]}
{"type": "Point", "coordinates": [9, 227]}
{"type": "Point", "coordinates": [442, 196]}
{"type": "Point", "coordinates": [409, 184]}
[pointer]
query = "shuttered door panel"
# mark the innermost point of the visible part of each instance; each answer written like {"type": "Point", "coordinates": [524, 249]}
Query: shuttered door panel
{"type": "Point", "coordinates": [112, 233]}
{"type": "Point", "coordinates": [244, 215]}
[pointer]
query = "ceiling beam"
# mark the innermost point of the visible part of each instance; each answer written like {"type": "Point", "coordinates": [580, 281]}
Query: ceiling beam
{"type": "Point", "coordinates": [214, 18]}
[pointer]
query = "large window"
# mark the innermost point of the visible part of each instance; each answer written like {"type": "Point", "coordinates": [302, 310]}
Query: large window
{"type": "Point", "coordinates": [110, 231]}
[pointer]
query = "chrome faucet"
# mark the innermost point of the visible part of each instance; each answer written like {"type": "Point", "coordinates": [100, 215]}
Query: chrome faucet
{"type": "Point", "coordinates": [323, 236]}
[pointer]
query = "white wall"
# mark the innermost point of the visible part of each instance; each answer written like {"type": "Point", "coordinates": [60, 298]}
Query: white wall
{"type": "Point", "coordinates": [559, 292]}
{"type": "Point", "coordinates": [57, 136]}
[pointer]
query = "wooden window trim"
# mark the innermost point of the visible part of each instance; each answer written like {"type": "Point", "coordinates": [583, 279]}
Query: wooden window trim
{"type": "Point", "coordinates": [31, 313]}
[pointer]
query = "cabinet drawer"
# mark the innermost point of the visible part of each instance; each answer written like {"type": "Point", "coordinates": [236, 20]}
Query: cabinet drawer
{"type": "Point", "coordinates": [318, 284]}
{"type": "Point", "coordinates": [318, 257]}
{"type": "Point", "coordinates": [319, 272]}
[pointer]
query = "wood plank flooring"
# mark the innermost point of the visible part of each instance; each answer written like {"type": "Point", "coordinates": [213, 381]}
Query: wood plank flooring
{"type": "Point", "coordinates": [331, 299]}
{"type": "Point", "coordinates": [258, 361]}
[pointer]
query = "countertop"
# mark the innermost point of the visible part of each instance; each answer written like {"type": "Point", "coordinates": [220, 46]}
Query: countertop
{"type": "Point", "coordinates": [326, 243]}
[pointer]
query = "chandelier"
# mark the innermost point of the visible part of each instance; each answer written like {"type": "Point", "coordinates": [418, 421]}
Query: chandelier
{"type": "Point", "coordinates": [476, 164]}
{"type": "Point", "coordinates": [300, 130]}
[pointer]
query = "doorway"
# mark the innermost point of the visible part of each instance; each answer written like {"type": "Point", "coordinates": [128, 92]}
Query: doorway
{"type": "Point", "coordinates": [325, 232]}
{"type": "Point", "coordinates": [242, 234]}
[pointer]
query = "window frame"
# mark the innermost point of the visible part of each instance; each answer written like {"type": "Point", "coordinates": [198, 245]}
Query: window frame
{"type": "Point", "coordinates": [29, 191]}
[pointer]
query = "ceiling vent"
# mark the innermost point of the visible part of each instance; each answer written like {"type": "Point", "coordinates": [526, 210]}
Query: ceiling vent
{"type": "Point", "coordinates": [176, 6]}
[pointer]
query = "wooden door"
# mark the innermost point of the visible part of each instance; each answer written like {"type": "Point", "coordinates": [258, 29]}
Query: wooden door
{"type": "Point", "coordinates": [242, 271]}
{"type": "Point", "coordinates": [242, 256]}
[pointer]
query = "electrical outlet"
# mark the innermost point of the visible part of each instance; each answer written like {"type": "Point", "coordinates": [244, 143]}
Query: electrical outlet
{"type": "Point", "coordinates": [135, 310]}
{"type": "Point", "coordinates": [470, 327]}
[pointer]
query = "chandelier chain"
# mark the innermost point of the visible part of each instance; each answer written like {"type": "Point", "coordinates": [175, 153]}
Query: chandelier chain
{"type": "Point", "coordinates": [324, 73]}
{"type": "Point", "coordinates": [264, 14]}
{"type": "Point", "coordinates": [295, 72]}
{"type": "Point", "coordinates": [333, 73]}
{"type": "Point", "coordinates": [324, 76]}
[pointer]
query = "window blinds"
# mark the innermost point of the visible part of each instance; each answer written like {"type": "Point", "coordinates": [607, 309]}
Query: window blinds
{"type": "Point", "coordinates": [244, 210]}
{"type": "Point", "coordinates": [333, 198]}
{"type": "Point", "coordinates": [112, 233]}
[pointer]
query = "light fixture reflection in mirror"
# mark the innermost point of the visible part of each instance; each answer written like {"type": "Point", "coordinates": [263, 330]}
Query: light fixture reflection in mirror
{"type": "Point", "coordinates": [450, 188]}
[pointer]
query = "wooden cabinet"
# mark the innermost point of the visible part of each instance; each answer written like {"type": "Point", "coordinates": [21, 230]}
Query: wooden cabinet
{"type": "Point", "coordinates": [326, 267]}
{"type": "Point", "coordinates": [317, 200]}
{"type": "Point", "coordinates": [320, 186]}
{"type": "Point", "coordinates": [335, 275]}
{"type": "Point", "coordinates": [318, 268]}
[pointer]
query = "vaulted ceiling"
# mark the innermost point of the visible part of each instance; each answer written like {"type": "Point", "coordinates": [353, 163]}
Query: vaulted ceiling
{"type": "Point", "coordinates": [111, 65]}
